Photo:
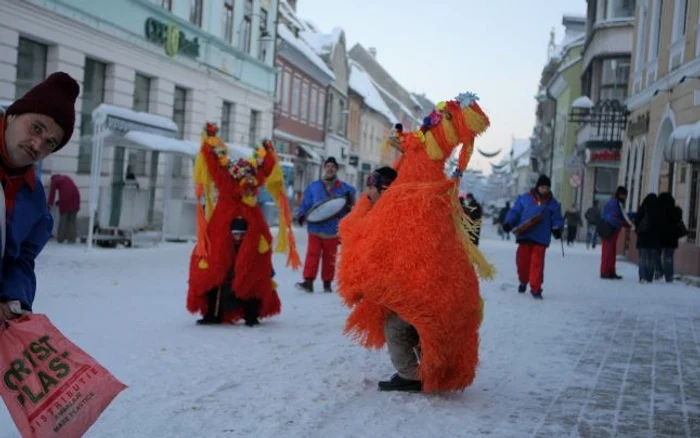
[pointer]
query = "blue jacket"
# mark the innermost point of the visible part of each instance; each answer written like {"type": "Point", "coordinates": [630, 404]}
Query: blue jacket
{"type": "Point", "coordinates": [316, 193]}
{"type": "Point", "coordinates": [612, 214]}
{"type": "Point", "coordinates": [28, 228]}
{"type": "Point", "coordinates": [526, 207]}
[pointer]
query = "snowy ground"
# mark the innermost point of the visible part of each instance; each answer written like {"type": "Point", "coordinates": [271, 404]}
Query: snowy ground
{"type": "Point", "coordinates": [594, 358]}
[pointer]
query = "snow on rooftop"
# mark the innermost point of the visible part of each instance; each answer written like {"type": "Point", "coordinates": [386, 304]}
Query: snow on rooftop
{"type": "Point", "coordinates": [361, 82]}
{"type": "Point", "coordinates": [321, 43]}
{"type": "Point", "coordinates": [519, 147]}
{"type": "Point", "coordinates": [304, 48]}
{"type": "Point", "coordinates": [288, 13]}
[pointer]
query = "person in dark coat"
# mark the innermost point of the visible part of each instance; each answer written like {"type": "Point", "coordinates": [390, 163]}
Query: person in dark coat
{"type": "Point", "coordinates": [68, 206]}
{"type": "Point", "coordinates": [502, 220]}
{"type": "Point", "coordinates": [475, 212]}
{"type": "Point", "coordinates": [573, 221]}
{"type": "Point", "coordinates": [671, 217]}
{"type": "Point", "coordinates": [647, 227]}
{"type": "Point", "coordinates": [593, 216]}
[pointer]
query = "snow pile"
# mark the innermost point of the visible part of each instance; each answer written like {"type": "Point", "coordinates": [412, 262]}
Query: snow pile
{"type": "Point", "coordinates": [362, 83]}
{"type": "Point", "coordinates": [304, 48]}
{"type": "Point", "coordinates": [134, 116]}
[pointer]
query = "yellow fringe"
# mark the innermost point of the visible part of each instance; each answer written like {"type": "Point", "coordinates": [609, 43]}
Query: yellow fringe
{"type": "Point", "coordinates": [263, 245]}
{"type": "Point", "coordinates": [432, 147]}
{"type": "Point", "coordinates": [475, 121]}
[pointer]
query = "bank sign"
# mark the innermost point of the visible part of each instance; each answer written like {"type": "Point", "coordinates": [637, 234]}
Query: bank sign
{"type": "Point", "coordinates": [171, 38]}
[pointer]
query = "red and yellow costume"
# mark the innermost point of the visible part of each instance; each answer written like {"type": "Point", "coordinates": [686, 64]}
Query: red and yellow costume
{"type": "Point", "coordinates": [411, 254]}
{"type": "Point", "coordinates": [236, 185]}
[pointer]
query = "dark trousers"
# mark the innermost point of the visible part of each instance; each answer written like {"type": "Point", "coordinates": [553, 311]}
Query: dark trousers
{"type": "Point", "coordinates": [647, 263]}
{"type": "Point", "coordinates": [67, 227]}
{"type": "Point", "coordinates": [664, 264]}
{"type": "Point", "coordinates": [571, 231]}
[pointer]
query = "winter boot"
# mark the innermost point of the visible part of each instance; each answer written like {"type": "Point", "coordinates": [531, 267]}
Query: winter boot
{"type": "Point", "coordinates": [210, 318]}
{"type": "Point", "coordinates": [307, 285]}
{"type": "Point", "coordinates": [536, 294]}
{"type": "Point", "coordinates": [250, 312]}
{"type": "Point", "coordinates": [327, 287]}
{"type": "Point", "coordinates": [398, 383]}
{"type": "Point", "coordinates": [522, 288]}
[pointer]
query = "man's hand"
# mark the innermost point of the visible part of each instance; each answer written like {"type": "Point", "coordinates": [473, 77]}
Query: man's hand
{"type": "Point", "coordinates": [5, 313]}
{"type": "Point", "coordinates": [507, 227]}
{"type": "Point", "coordinates": [556, 233]}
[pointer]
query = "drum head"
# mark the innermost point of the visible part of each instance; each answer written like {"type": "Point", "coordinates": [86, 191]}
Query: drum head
{"type": "Point", "coordinates": [326, 210]}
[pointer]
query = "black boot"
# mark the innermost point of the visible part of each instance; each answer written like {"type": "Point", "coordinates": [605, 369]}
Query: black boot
{"type": "Point", "coordinates": [398, 383]}
{"type": "Point", "coordinates": [250, 312]}
{"type": "Point", "coordinates": [210, 318]}
{"type": "Point", "coordinates": [327, 287]}
{"type": "Point", "coordinates": [522, 288]}
{"type": "Point", "coordinates": [307, 285]}
{"type": "Point", "coordinates": [536, 294]}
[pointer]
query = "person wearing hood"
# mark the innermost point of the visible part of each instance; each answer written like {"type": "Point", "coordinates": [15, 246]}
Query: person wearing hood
{"type": "Point", "coordinates": [35, 126]}
{"type": "Point", "coordinates": [535, 218]}
{"type": "Point", "coordinates": [323, 236]}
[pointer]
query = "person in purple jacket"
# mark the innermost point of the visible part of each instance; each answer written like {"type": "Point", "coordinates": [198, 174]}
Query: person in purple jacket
{"type": "Point", "coordinates": [33, 127]}
{"type": "Point", "coordinates": [323, 236]}
{"type": "Point", "coordinates": [534, 219]}
{"type": "Point", "coordinates": [615, 219]}
{"type": "Point", "coordinates": [68, 206]}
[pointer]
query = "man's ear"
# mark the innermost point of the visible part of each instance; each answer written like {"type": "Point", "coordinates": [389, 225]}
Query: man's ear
{"type": "Point", "coordinates": [11, 117]}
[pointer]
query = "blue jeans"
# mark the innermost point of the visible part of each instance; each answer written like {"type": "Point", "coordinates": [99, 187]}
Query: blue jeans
{"type": "Point", "coordinates": [647, 263]}
{"type": "Point", "coordinates": [664, 264]}
{"type": "Point", "coordinates": [591, 236]}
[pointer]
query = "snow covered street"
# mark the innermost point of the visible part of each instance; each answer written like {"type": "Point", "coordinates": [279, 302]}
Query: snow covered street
{"type": "Point", "coordinates": [595, 358]}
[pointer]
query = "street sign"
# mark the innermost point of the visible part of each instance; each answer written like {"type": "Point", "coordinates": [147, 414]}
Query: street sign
{"type": "Point", "coordinates": [575, 180]}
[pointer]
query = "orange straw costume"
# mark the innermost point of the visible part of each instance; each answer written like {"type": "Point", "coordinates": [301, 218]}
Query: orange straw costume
{"type": "Point", "coordinates": [411, 254]}
{"type": "Point", "coordinates": [237, 185]}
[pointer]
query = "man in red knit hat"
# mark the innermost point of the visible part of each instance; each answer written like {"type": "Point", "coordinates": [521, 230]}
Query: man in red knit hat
{"type": "Point", "coordinates": [32, 128]}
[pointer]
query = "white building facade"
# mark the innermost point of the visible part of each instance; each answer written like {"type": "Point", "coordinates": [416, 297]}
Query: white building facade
{"type": "Point", "coordinates": [190, 61]}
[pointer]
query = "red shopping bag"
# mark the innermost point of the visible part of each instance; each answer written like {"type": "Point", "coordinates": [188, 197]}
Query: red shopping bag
{"type": "Point", "coordinates": [51, 387]}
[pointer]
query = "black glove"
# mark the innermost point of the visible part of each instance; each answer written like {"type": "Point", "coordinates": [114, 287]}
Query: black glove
{"type": "Point", "coordinates": [350, 199]}
{"type": "Point", "coordinates": [507, 228]}
{"type": "Point", "coordinates": [301, 219]}
{"type": "Point", "coordinates": [556, 233]}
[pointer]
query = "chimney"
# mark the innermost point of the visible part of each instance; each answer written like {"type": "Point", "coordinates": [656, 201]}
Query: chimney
{"type": "Point", "coordinates": [373, 51]}
{"type": "Point", "coordinates": [293, 4]}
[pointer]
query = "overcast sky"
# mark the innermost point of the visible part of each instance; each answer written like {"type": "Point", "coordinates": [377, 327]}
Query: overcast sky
{"type": "Point", "coordinates": [495, 48]}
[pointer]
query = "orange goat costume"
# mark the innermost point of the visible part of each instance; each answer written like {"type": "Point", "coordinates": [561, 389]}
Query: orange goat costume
{"type": "Point", "coordinates": [411, 254]}
{"type": "Point", "coordinates": [237, 185]}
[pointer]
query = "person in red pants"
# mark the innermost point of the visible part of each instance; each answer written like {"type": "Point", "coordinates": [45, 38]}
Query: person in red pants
{"type": "Point", "coordinates": [535, 218]}
{"type": "Point", "coordinates": [614, 219]}
{"type": "Point", "coordinates": [323, 236]}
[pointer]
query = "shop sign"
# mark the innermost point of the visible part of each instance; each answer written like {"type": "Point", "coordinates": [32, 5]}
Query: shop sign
{"type": "Point", "coordinates": [171, 38]}
{"type": "Point", "coordinates": [638, 126]}
{"type": "Point", "coordinates": [605, 155]}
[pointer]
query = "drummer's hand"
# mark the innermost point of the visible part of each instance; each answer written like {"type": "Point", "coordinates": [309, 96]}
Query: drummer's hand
{"type": "Point", "coordinates": [350, 199]}
{"type": "Point", "coordinates": [301, 220]}
{"type": "Point", "coordinates": [5, 313]}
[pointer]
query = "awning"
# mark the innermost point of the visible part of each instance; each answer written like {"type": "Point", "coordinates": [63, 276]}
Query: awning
{"type": "Point", "coordinates": [119, 114]}
{"type": "Point", "coordinates": [684, 144]}
{"type": "Point", "coordinates": [157, 142]}
{"type": "Point", "coordinates": [315, 157]}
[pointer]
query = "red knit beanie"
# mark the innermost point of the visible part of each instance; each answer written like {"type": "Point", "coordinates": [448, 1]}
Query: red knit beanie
{"type": "Point", "coordinates": [54, 97]}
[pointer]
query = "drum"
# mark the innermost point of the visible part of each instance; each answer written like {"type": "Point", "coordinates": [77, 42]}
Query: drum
{"type": "Point", "coordinates": [326, 210]}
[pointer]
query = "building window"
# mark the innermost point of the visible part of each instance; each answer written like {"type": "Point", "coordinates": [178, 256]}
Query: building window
{"type": "Point", "coordinates": [641, 39]}
{"type": "Point", "coordinates": [179, 110]}
{"type": "Point", "coordinates": [614, 77]}
{"type": "Point", "coordinates": [286, 80]}
{"type": "Point", "coordinates": [227, 122]}
{"type": "Point", "coordinates": [93, 95]}
{"type": "Point", "coordinates": [262, 50]}
{"type": "Point", "coordinates": [246, 31]}
{"type": "Point", "coordinates": [31, 66]}
{"type": "Point", "coordinates": [313, 106]}
{"type": "Point", "coordinates": [304, 101]}
{"type": "Point", "coordinates": [296, 94]}
{"type": "Point", "coordinates": [330, 116]}
{"type": "Point", "coordinates": [167, 4]}
{"type": "Point", "coordinates": [142, 91]}
{"type": "Point", "coordinates": [656, 31]}
{"type": "Point", "coordinates": [196, 12]}
{"type": "Point", "coordinates": [254, 123]}
{"type": "Point", "coordinates": [605, 183]}
{"type": "Point", "coordinates": [680, 18]}
{"type": "Point", "coordinates": [343, 122]}
{"type": "Point", "coordinates": [619, 9]}
{"type": "Point", "coordinates": [228, 21]}
{"type": "Point", "coordinates": [321, 107]}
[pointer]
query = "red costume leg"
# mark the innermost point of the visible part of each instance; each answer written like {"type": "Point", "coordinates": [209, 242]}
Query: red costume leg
{"type": "Point", "coordinates": [522, 261]}
{"type": "Point", "coordinates": [609, 256]}
{"type": "Point", "coordinates": [537, 267]}
{"type": "Point", "coordinates": [313, 257]}
{"type": "Point", "coordinates": [330, 253]}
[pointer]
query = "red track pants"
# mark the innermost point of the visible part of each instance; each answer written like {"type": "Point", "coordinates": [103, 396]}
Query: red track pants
{"type": "Point", "coordinates": [530, 261]}
{"type": "Point", "coordinates": [320, 247]}
{"type": "Point", "coordinates": [609, 256]}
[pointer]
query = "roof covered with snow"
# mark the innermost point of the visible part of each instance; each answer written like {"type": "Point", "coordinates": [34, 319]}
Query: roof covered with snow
{"type": "Point", "coordinates": [361, 82]}
{"type": "Point", "coordinates": [321, 43]}
{"type": "Point", "coordinates": [302, 46]}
